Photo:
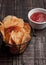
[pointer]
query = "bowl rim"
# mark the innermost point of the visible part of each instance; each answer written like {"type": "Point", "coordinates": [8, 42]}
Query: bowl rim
{"type": "Point", "coordinates": [34, 21]}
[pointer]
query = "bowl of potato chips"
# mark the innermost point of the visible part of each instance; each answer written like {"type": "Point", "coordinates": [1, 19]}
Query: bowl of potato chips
{"type": "Point", "coordinates": [16, 33]}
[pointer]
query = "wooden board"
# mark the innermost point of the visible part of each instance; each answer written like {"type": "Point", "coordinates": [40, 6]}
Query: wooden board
{"type": "Point", "coordinates": [35, 54]}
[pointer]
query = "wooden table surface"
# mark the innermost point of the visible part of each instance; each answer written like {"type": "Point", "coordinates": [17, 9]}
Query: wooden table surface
{"type": "Point", "coordinates": [35, 54]}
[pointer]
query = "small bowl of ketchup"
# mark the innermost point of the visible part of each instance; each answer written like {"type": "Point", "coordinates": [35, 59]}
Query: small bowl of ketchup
{"type": "Point", "coordinates": [37, 18]}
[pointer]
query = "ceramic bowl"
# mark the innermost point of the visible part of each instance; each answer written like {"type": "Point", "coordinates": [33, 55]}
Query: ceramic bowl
{"type": "Point", "coordinates": [36, 25]}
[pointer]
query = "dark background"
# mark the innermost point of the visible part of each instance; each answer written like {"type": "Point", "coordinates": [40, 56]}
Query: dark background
{"type": "Point", "coordinates": [35, 54]}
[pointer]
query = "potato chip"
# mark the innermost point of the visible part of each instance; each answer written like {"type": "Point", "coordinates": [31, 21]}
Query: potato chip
{"type": "Point", "coordinates": [12, 20]}
{"type": "Point", "coordinates": [27, 27]}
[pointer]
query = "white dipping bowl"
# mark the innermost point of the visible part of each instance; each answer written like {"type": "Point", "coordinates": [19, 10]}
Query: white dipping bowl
{"type": "Point", "coordinates": [37, 25]}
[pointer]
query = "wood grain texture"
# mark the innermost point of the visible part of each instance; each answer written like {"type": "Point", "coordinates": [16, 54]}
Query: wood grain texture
{"type": "Point", "coordinates": [37, 3]}
{"type": "Point", "coordinates": [35, 54]}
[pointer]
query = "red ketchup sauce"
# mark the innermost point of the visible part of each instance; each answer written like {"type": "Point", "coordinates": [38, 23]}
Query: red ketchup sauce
{"type": "Point", "coordinates": [38, 17]}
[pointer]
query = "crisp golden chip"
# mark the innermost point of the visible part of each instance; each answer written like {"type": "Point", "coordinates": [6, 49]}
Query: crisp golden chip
{"type": "Point", "coordinates": [26, 38]}
{"type": "Point", "coordinates": [27, 27]}
{"type": "Point", "coordinates": [10, 41]}
{"type": "Point", "coordinates": [12, 21]}
{"type": "Point", "coordinates": [17, 37]}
